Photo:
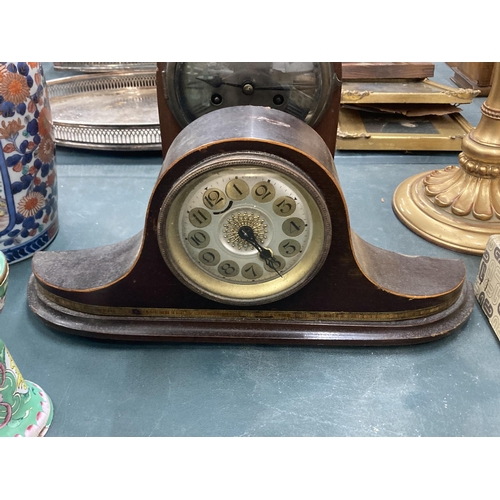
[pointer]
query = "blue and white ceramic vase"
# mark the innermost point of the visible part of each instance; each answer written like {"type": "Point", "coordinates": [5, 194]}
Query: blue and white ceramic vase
{"type": "Point", "coordinates": [28, 182]}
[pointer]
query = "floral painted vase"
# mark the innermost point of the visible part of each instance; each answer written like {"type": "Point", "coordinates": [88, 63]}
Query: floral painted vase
{"type": "Point", "coordinates": [4, 279]}
{"type": "Point", "coordinates": [25, 409]}
{"type": "Point", "coordinates": [28, 191]}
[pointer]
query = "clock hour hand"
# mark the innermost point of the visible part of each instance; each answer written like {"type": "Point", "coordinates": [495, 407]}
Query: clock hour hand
{"type": "Point", "coordinates": [214, 81]}
{"type": "Point", "coordinates": [246, 233]}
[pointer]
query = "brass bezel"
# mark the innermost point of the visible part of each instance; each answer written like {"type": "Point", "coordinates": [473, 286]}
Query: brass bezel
{"type": "Point", "coordinates": [194, 277]}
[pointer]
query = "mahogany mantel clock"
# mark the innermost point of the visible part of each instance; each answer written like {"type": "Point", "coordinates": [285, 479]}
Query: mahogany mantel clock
{"type": "Point", "coordinates": [247, 239]}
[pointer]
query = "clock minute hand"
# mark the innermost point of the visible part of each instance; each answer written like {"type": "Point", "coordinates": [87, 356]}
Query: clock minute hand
{"type": "Point", "coordinates": [217, 81]}
{"type": "Point", "coordinates": [247, 234]}
{"type": "Point", "coordinates": [214, 81]}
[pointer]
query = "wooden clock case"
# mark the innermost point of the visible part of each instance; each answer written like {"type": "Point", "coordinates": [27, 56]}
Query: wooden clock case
{"type": "Point", "coordinates": [326, 127]}
{"type": "Point", "coordinates": [362, 295]}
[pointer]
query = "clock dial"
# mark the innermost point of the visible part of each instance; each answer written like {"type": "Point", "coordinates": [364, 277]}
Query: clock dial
{"type": "Point", "coordinates": [302, 89]}
{"type": "Point", "coordinates": [245, 227]}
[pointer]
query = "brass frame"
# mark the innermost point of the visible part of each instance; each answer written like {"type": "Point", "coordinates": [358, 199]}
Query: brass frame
{"type": "Point", "coordinates": [352, 134]}
{"type": "Point", "coordinates": [404, 92]}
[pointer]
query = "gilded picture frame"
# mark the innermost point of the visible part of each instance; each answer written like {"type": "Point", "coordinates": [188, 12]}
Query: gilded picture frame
{"type": "Point", "coordinates": [365, 131]}
{"type": "Point", "coordinates": [404, 92]}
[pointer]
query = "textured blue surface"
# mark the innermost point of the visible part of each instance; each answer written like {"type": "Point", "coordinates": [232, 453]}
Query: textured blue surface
{"type": "Point", "coordinates": [446, 388]}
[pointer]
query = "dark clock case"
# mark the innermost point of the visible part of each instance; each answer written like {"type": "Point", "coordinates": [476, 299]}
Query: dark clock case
{"type": "Point", "coordinates": [362, 295]}
{"type": "Point", "coordinates": [326, 127]}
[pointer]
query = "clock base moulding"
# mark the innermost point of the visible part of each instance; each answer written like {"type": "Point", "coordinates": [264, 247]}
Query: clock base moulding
{"type": "Point", "coordinates": [359, 294]}
{"type": "Point", "coordinates": [247, 327]}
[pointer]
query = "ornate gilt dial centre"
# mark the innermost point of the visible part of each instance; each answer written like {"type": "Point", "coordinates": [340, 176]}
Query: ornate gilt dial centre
{"type": "Point", "coordinates": [238, 220]}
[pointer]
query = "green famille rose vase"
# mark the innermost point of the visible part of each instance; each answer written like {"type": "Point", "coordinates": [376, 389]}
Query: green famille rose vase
{"type": "Point", "coordinates": [25, 409]}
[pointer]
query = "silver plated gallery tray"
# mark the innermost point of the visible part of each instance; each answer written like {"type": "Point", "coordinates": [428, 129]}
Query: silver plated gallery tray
{"type": "Point", "coordinates": [112, 111]}
{"type": "Point", "coordinates": [104, 67]}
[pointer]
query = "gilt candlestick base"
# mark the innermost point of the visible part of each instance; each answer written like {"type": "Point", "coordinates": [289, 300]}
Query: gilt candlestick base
{"type": "Point", "coordinates": [458, 207]}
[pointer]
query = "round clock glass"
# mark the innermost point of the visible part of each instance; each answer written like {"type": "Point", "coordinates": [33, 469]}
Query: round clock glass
{"type": "Point", "coordinates": [244, 228]}
{"type": "Point", "coordinates": [302, 89]}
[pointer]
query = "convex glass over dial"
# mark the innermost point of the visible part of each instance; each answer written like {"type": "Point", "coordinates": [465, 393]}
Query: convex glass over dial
{"type": "Point", "coordinates": [302, 89]}
{"type": "Point", "coordinates": [244, 228]}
